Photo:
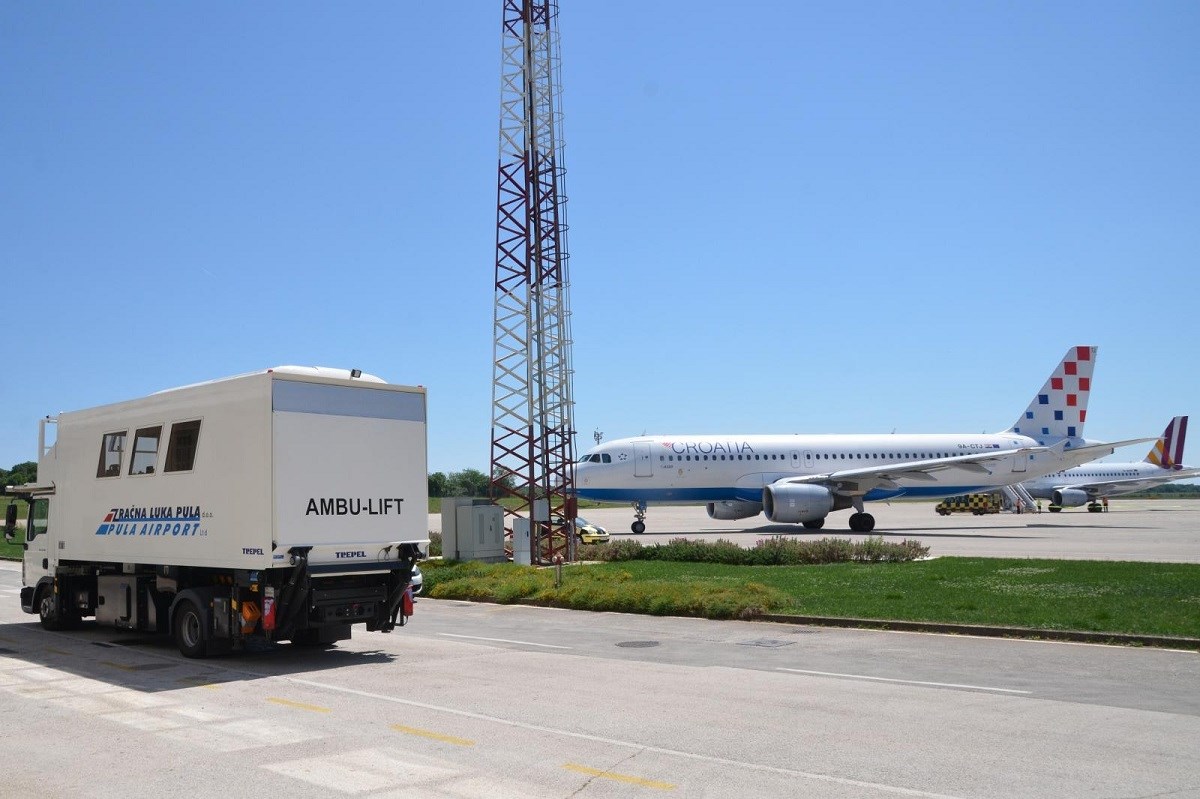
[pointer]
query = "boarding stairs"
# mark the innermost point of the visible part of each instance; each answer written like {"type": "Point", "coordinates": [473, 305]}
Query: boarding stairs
{"type": "Point", "coordinates": [1019, 499]}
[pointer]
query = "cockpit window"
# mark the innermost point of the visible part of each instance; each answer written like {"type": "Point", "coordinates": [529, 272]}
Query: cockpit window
{"type": "Point", "coordinates": [606, 458]}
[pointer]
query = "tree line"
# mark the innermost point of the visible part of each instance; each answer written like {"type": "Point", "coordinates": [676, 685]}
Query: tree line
{"type": "Point", "coordinates": [21, 473]}
{"type": "Point", "coordinates": [466, 483]}
{"type": "Point", "coordinates": [474, 483]}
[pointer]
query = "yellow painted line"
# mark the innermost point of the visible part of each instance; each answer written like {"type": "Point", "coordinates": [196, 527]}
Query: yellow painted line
{"type": "Point", "coordinates": [54, 651]}
{"type": "Point", "coordinates": [299, 705]}
{"type": "Point", "coordinates": [437, 736]}
{"type": "Point", "coordinates": [120, 666]}
{"type": "Point", "coordinates": [198, 683]}
{"type": "Point", "coordinates": [609, 775]}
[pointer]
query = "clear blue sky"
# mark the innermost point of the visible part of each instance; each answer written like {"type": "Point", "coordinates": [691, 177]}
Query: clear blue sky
{"type": "Point", "coordinates": [785, 216]}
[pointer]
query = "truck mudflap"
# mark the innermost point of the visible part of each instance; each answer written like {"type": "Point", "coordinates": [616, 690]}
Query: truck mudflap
{"type": "Point", "coordinates": [399, 607]}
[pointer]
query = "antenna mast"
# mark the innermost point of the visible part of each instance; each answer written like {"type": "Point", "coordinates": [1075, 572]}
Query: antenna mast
{"type": "Point", "coordinates": [532, 404]}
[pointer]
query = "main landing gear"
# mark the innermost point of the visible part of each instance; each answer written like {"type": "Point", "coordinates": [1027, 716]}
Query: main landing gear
{"type": "Point", "coordinates": [814, 524]}
{"type": "Point", "coordinates": [860, 521]}
{"type": "Point", "coordinates": [639, 512]}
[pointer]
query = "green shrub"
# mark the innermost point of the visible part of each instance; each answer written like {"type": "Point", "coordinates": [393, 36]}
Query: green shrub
{"type": "Point", "coordinates": [775, 551]}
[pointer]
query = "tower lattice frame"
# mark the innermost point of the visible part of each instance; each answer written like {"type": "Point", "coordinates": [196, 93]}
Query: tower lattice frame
{"type": "Point", "coordinates": [532, 453]}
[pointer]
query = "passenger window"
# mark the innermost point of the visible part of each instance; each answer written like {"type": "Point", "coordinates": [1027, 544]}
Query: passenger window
{"type": "Point", "coordinates": [111, 448]}
{"type": "Point", "coordinates": [145, 450]}
{"type": "Point", "coordinates": [181, 449]}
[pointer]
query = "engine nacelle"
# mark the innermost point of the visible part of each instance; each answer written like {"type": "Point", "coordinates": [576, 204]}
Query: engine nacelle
{"type": "Point", "coordinates": [792, 504]}
{"type": "Point", "coordinates": [1069, 497]}
{"type": "Point", "coordinates": [728, 509]}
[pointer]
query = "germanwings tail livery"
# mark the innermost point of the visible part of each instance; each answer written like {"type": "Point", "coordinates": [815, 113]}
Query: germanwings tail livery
{"type": "Point", "coordinates": [801, 479]}
{"type": "Point", "coordinates": [1167, 452]}
{"type": "Point", "coordinates": [1091, 482]}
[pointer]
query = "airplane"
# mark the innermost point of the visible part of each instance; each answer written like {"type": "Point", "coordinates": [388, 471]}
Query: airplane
{"type": "Point", "coordinates": [1090, 482]}
{"type": "Point", "coordinates": [800, 479]}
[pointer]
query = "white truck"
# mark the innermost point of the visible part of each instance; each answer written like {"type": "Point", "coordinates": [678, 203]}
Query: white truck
{"type": "Point", "coordinates": [286, 504]}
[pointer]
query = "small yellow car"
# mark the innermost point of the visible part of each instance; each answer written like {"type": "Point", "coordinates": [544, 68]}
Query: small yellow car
{"type": "Point", "coordinates": [586, 532]}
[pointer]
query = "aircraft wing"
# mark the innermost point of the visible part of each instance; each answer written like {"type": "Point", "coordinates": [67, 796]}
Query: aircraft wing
{"type": "Point", "coordinates": [857, 482]}
{"type": "Point", "coordinates": [1108, 488]}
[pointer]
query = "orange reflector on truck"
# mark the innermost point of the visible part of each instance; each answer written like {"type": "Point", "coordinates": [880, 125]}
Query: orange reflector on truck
{"type": "Point", "coordinates": [250, 616]}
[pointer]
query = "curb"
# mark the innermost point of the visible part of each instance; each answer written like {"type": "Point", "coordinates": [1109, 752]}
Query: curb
{"type": "Point", "coordinates": [988, 631]}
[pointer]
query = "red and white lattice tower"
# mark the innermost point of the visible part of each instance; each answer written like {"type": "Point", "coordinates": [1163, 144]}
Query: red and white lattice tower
{"type": "Point", "coordinates": [532, 403]}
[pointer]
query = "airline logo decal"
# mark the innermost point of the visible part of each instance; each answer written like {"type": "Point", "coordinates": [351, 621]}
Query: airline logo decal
{"type": "Point", "coordinates": [708, 447]}
{"type": "Point", "coordinates": [163, 520]}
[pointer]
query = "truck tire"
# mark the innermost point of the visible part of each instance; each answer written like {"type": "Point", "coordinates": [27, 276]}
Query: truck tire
{"type": "Point", "coordinates": [50, 611]}
{"type": "Point", "coordinates": [190, 629]}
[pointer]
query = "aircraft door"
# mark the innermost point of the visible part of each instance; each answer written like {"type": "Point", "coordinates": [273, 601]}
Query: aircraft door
{"type": "Point", "coordinates": [642, 467]}
{"type": "Point", "coordinates": [808, 460]}
{"type": "Point", "coordinates": [1020, 463]}
{"type": "Point", "coordinates": [796, 460]}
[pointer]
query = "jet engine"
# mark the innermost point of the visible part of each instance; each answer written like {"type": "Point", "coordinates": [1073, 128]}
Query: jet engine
{"type": "Point", "coordinates": [728, 509]}
{"type": "Point", "coordinates": [792, 504]}
{"type": "Point", "coordinates": [1069, 497]}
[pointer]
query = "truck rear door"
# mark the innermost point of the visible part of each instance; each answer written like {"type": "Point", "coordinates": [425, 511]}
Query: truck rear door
{"type": "Point", "coordinates": [349, 471]}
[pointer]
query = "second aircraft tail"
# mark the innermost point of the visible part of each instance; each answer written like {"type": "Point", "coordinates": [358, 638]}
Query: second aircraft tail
{"type": "Point", "coordinates": [1167, 452]}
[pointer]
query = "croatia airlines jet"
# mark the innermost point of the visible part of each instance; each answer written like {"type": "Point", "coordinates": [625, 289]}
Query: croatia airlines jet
{"type": "Point", "coordinates": [802, 478]}
{"type": "Point", "coordinates": [1090, 482]}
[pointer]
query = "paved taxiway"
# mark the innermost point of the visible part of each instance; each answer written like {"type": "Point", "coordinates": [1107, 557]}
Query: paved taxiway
{"type": "Point", "coordinates": [491, 701]}
{"type": "Point", "coordinates": [1147, 530]}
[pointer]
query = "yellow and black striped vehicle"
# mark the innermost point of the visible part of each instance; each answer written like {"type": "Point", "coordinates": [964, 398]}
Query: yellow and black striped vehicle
{"type": "Point", "coordinates": [978, 504]}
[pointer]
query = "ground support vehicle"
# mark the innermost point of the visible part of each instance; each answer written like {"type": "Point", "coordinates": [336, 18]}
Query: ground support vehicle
{"type": "Point", "coordinates": [977, 504]}
{"type": "Point", "coordinates": [287, 504]}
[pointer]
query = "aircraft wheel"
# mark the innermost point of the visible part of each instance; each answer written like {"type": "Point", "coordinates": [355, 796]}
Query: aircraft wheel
{"type": "Point", "coordinates": [638, 527]}
{"type": "Point", "coordinates": [862, 522]}
{"type": "Point", "coordinates": [815, 524]}
{"type": "Point", "coordinates": [1055, 508]}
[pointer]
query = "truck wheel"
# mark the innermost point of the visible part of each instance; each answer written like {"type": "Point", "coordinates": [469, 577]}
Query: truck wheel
{"type": "Point", "coordinates": [50, 612]}
{"type": "Point", "coordinates": [191, 633]}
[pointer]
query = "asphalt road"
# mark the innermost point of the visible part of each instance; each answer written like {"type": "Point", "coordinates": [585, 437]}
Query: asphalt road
{"type": "Point", "coordinates": [492, 701]}
{"type": "Point", "coordinates": [1144, 530]}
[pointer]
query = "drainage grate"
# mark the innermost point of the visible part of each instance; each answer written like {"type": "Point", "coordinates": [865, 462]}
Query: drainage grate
{"type": "Point", "coordinates": [104, 644]}
{"type": "Point", "coordinates": [767, 643]}
{"type": "Point", "coordinates": [637, 644]}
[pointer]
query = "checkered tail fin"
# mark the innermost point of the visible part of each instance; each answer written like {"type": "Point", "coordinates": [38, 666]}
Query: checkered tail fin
{"type": "Point", "coordinates": [1059, 410]}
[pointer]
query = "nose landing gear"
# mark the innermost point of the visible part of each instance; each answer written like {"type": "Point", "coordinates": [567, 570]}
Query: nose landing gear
{"type": "Point", "coordinates": [639, 512]}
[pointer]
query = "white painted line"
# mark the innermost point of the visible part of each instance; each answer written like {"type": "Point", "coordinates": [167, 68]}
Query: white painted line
{"type": "Point", "coordinates": [504, 641]}
{"type": "Point", "coordinates": [905, 682]}
{"type": "Point", "coordinates": [641, 747]}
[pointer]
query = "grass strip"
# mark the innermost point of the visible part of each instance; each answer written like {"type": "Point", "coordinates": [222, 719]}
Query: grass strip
{"type": "Point", "coordinates": [1160, 599]}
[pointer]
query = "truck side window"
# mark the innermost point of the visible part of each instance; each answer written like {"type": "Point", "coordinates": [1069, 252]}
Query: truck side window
{"type": "Point", "coordinates": [181, 449]}
{"type": "Point", "coordinates": [145, 450]}
{"type": "Point", "coordinates": [111, 447]}
{"type": "Point", "coordinates": [39, 518]}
